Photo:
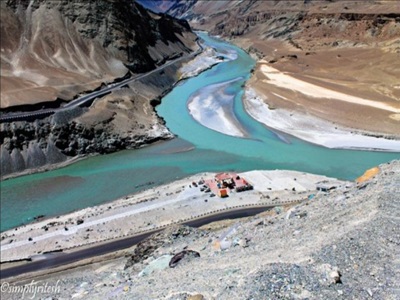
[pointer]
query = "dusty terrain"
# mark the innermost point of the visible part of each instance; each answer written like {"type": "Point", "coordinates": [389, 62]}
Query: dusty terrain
{"type": "Point", "coordinates": [161, 206]}
{"type": "Point", "coordinates": [305, 126]}
{"type": "Point", "coordinates": [53, 49]}
{"type": "Point", "coordinates": [348, 47]}
{"type": "Point", "coordinates": [325, 48]}
{"type": "Point", "coordinates": [325, 86]}
{"type": "Point", "coordinates": [339, 245]}
{"type": "Point", "coordinates": [56, 50]}
{"type": "Point", "coordinates": [124, 119]}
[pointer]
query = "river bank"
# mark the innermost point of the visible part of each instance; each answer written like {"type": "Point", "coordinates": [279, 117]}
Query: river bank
{"type": "Point", "coordinates": [313, 129]}
{"type": "Point", "coordinates": [82, 131]}
{"type": "Point", "coordinates": [303, 107]}
{"type": "Point", "coordinates": [342, 104]}
{"type": "Point", "coordinates": [213, 108]}
{"type": "Point", "coordinates": [324, 248]}
{"type": "Point", "coordinates": [154, 208]}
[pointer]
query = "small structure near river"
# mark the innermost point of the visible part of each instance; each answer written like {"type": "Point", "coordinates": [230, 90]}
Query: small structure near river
{"type": "Point", "coordinates": [224, 183]}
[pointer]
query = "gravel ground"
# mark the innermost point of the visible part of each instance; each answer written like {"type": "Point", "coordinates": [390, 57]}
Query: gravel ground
{"type": "Point", "coordinates": [340, 245]}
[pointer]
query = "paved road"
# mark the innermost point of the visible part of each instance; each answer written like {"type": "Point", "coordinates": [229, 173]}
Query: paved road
{"type": "Point", "coordinates": [68, 258]}
{"type": "Point", "coordinates": [73, 229]}
{"type": "Point", "coordinates": [89, 97]}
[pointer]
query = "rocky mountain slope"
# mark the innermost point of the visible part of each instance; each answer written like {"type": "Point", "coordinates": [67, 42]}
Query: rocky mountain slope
{"type": "Point", "coordinates": [156, 5]}
{"type": "Point", "coordinates": [302, 25]}
{"type": "Point", "coordinates": [54, 50]}
{"type": "Point", "coordinates": [342, 244]}
{"type": "Point", "coordinates": [307, 25]}
{"type": "Point", "coordinates": [59, 48]}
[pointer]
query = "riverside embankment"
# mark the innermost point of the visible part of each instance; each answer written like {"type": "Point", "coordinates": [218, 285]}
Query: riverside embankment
{"type": "Point", "coordinates": [175, 203]}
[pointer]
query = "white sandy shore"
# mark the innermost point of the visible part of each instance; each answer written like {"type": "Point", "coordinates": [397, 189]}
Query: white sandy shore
{"type": "Point", "coordinates": [213, 108]}
{"type": "Point", "coordinates": [149, 209]}
{"type": "Point", "coordinates": [312, 129]}
{"type": "Point", "coordinates": [208, 58]}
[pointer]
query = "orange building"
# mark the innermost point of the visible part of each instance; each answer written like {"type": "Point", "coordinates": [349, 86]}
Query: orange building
{"type": "Point", "coordinates": [222, 193]}
{"type": "Point", "coordinates": [224, 182]}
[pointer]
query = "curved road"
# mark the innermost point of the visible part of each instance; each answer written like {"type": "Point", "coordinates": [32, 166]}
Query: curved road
{"type": "Point", "coordinates": [89, 97]}
{"type": "Point", "coordinates": [68, 258]}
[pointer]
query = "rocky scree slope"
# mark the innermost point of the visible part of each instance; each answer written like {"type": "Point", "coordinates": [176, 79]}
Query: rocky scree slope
{"type": "Point", "coordinates": [64, 47]}
{"type": "Point", "coordinates": [307, 25]}
{"type": "Point", "coordinates": [61, 48]}
{"type": "Point", "coordinates": [343, 244]}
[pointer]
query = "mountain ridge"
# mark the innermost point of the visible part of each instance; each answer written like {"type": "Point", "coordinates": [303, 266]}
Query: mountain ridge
{"type": "Point", "coordinates": [81, 43]}
{"type": "Point", "coordinates": [52, 51]}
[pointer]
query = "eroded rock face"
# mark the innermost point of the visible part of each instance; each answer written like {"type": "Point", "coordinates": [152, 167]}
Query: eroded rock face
{"type": "Point", "coordinates": [304, 24]}
{"type": "Point", "coordinates": [185, 255]}
{"type": "Point", "coordinates": [58, 48]}
{"type": "Point", "coordinates": [307, 30]}
{"type": "Point", "coordinates": [42, 143]}
{"type": "Point", "coordinates": [157, 5]}
{"type": "Point", "coordinates": [125, 119]}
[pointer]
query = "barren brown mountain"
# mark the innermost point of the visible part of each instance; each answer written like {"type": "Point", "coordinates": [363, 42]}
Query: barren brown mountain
{"type": "Point", "coordinates": [351, 47]}
{"type": "Point", "coordinates": [53, 50]}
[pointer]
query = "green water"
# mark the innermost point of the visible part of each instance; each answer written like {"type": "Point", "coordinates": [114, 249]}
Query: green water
{"type": "Point", "coordinates": [105, 178]}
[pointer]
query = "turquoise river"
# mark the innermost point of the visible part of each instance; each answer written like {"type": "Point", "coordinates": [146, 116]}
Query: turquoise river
{"type": "Point", "coordinates": [197, 149]}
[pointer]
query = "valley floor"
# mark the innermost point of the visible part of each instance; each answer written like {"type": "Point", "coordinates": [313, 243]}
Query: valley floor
{"type": "Point", "coordinates": [340, 98]}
